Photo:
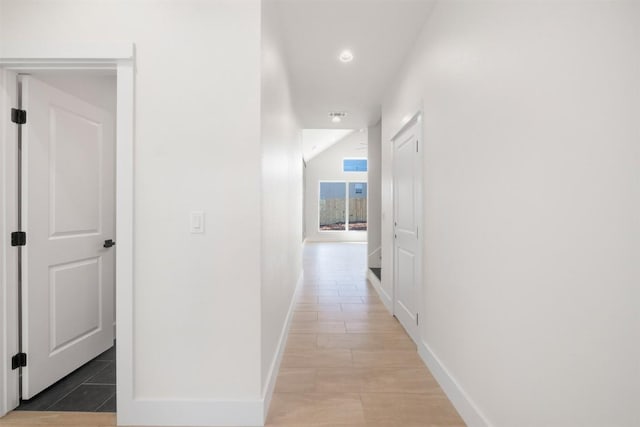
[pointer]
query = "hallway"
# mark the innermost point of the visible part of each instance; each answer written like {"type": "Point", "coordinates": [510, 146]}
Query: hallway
{"type": "Point", "coordinates": [496, 144]}
{"type": "Point", "coordinates": [348, 361]}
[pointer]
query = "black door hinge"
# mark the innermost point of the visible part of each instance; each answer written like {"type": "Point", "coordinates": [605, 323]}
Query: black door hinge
{"type": "Point", "coordinates": [19, 361]}
{"type": "Point", "coordinates": [18, 238]}
{"type": "Point", "coordinates": [18, 116]}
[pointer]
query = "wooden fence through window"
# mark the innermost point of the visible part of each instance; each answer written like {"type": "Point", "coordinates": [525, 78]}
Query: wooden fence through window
{"type": "Point", "coordinates": [332, 213]}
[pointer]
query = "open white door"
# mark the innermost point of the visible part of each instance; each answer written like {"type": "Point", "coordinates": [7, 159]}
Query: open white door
{"type": "Point", "coordinates": [68, 212]}
{"type": "Point", "coordinates": [406, 207]}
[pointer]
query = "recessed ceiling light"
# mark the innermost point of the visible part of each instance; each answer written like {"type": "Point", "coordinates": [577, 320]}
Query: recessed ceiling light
{"type": "Point", "coordinates": [336, 116]}
{"type": "Point", "coordinates": [346, 56]}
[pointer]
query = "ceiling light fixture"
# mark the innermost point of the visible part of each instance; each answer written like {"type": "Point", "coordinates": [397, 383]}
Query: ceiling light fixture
{"type": "Point", "coordinates": [337, 116]}
{"type": "Point", "coordinates": [346, 56]}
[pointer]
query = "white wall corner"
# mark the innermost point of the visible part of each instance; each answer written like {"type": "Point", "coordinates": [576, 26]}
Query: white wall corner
{"type": "Point", "coordinates": [272, 377]}
{"type": "Point", "coordinates": [377, 285]}
{"type": "Point", "coordinates": [467, 409]}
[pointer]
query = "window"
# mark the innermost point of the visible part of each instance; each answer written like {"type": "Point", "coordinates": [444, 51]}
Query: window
{"type": "Point", "coordinates": [357, 206]}
{"type": "Point", "coordinates": [343, 206]}
{"type": "Point", "coordinates": [332, 206]}
{"type": "Point", "coordinates": [354, 165]}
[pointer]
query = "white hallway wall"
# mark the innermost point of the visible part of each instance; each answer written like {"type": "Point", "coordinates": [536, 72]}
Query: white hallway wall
{"type": "Point", "coordinates": [532, 207]}
{"type": "Point", "coordinates": [281, 194]}
{"type": "Point", "coordinates": [327, 166]}
{"type": "Point", "coordinates": [197, 147]}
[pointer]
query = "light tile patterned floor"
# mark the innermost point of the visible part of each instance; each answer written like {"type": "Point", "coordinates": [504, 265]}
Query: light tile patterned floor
{"type": "Point", "coordinates": [348, 362]}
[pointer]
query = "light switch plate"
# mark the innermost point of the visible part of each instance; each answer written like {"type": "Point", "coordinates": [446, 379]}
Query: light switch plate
{"type": "Point", "coordinates": [197, 222]}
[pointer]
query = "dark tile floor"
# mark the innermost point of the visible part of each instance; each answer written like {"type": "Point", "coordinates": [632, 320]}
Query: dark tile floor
{"type": "Point", "coordinates": [90, 388]}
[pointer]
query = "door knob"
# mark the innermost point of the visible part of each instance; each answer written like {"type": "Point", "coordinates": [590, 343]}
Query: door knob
{"type": "Point", "coordinates": [109, 243]}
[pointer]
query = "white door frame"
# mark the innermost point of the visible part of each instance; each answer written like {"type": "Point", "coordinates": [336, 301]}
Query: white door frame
{"type": "Point", "coordinates": [114, 56]}
{"type": "Point", "coordinates": [416, 119]}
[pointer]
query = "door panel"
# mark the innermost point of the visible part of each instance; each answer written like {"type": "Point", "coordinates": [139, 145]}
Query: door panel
{"type": "Point", "coordinates": [75, 302]}
{"type": "Point", "coordinates": [406, 242]}
{"type": "Point", "coordinates": [75, 151]}
{"type": "Point", "coordinates": [68, 212]}
{"type": "Point", "coordinates": [406, 277]}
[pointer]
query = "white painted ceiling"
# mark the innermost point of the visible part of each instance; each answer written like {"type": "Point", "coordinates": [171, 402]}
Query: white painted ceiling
{"type": "Point", "coordinates": [314, 32]}
{"type": "Point", "coordinates": [315, 141]}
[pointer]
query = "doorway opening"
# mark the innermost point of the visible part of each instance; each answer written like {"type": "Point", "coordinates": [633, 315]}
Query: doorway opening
{"type": "Point", "coordinates": [66, 179]}
{"type": "Point", "coordinates": [67, 57]}
{"type": "Point", "coordinates": [336, 204]}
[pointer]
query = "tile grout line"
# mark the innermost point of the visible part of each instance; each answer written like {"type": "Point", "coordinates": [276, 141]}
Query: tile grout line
{"type": "Point", "coordinates": [105, 402]}
{"type": "Point", "coordinates": [75, 388]}
{"type": "Point", "coordinates": [57, 401]}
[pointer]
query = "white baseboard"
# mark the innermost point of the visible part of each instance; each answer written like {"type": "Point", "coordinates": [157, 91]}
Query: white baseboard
{"type": "Point", "coordinates": [467, 409]}
{"type": "Point", "coordinates": [200, 413]}
{"type": "Point", "coordinates": [377, 285]}
{"type": "Point", "coordinates": [270, 385]}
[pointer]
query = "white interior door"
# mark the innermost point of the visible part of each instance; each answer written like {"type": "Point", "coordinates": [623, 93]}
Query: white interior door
{"type": "Point", "coordinates": [406, 251]}
{"type": "Point", "coordinates": [68, 211]}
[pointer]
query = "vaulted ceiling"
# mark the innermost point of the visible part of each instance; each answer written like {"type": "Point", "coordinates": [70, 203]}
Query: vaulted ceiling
{"type": "Point", "coordinates": [379, 33]}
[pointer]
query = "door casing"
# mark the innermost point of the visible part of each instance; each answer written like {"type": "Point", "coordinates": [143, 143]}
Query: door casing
{"type": "Point", "coordinates": [416, 120]}
{"type": "Point", "coordinates": [112, 56]}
